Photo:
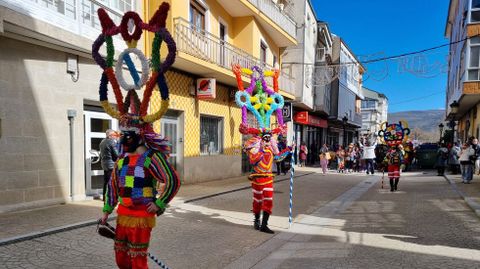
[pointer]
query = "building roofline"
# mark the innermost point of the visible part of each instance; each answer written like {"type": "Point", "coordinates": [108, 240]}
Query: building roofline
{"type": "Point", "coordinates": [448, 23]}
{"type": "Point", "coordinates": [377, 92]}
{"type": "Point", "coordinates": [351, 51]}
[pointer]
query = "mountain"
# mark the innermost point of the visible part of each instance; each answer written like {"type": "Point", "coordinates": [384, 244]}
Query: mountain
{"type": "Point", "coordinates": [425, 120]}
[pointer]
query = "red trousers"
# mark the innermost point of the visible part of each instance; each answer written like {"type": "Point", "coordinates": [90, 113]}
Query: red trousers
{"type": "Point", "coordinates": [262, 188]}
{"type": "Point", "coordinates": [131, 246]}
{"type": "Point", "coordinates": [393, 171]}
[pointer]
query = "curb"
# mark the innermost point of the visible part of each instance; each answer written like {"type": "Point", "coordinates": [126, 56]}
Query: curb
{"type": "Point", "coordinates": [25, 237]}
{"type": "Point", "coordinates": [470, 202]}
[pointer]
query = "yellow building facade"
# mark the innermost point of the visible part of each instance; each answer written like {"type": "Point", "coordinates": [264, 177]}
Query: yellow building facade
{"type": "Point", "coordinates": [211, 36]}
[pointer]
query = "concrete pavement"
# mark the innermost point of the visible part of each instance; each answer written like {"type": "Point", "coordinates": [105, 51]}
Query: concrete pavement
{"type": "Point", "coordinates": [341, 221]}
{"type": "Point", "coordinates": [423, 225]}
{"type": "Point", "coordinates": [20, 225]}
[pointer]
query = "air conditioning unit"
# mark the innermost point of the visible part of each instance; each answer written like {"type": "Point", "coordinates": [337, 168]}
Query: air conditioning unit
{"type": "Point", "coordinates": [281, 6]}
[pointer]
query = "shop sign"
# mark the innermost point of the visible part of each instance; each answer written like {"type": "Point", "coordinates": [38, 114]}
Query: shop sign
{"type": "Point", "coordinates": [304, 118]}
{"type": "Point", "coordinates": [206, 88]}
{"type": "Point", "coordinates": [287, 112]}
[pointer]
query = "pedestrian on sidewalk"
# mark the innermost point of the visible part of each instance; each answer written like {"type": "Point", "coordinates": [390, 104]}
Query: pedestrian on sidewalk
{"type": "Point", "coordinates": [453, 156]}
{"type": "Point", "coordinates": [442, 158]}
{"type": "Point", "coordinates": [476, 148]}
{"type": "Point", "coordinates": [467, 159]}
{"type": "Point", "coordinates": [324, 162]}
{"type": "Point", "coordinates": [340, 154]}
{"type": "Point", "coordinates": [303, 153]}
{"type": "Point", "coordinates": [108, 156]}
{"type": "Point", "coordinates": [393, 160]}
{"type": "Point", "coordinates": [369, 155]}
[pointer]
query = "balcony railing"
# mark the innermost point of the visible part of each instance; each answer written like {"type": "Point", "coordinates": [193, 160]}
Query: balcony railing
{"type": "Point", "coordinates": [203, 45]}
{"type": "Point", "coordinates": [276, 14]}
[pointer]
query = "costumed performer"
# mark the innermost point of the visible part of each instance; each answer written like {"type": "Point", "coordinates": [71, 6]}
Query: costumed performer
{"type": "Point", "coordinates": [394, 135]}
{"type": "Point", "coordinates": [143, 182]}
{"type": "Point", "coordinates": [261, 148]}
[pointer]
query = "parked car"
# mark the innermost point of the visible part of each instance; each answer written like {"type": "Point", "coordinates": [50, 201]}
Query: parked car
{"type": "Point", "coordinates": [426, 155]}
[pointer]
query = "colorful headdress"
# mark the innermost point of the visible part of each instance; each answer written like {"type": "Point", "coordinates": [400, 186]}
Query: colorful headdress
{"type": "Point", "coordinates": [260, 100]}
{"type": "Point", "coordinates": [394, 134]}
{"type": "Point", "coordinates": [131, 112]}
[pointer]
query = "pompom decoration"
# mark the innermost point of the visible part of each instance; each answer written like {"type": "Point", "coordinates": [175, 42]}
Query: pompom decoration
{"type": "Point", "coordinates": [131, 111]}
{"type": "Point", "coordinates": [258, 98]}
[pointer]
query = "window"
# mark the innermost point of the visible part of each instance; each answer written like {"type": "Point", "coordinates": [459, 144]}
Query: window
{"type": "Point", "coordinates": [275, 60]}
{"type": "Point", "coordinates": [368, 104]}
{"type": "Point", "coordinates": [65, 7]}
{"type": "Point", "coordinates": [114, 8]}
{"type": "Point", "coordinates": [211, 135]}
{"type": "Point", "coordinates": [475, 11]}
{"type": "Point", "coordinates": [197, 15]}
{"type": "Point", "coordinates": [263, 53]}
{"type": "Point", "coordinates": [475, 4]}
{"type": "Point", "coordinates": [474, 61]}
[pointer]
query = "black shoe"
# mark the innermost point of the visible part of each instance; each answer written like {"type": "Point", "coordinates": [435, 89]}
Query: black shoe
{"type": "Point", "coordinates": [256, 222]}
{"type": "Point", "coordinates": [264, 227]}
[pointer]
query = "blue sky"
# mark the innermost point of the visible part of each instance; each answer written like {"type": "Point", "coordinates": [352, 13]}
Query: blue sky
{"type": "Point", "coordinates": [382, 28]}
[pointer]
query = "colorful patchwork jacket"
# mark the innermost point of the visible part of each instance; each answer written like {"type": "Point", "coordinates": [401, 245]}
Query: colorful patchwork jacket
{"type": "Point", "coordinates": [262, 163]}
{"type": "Point", "coordinates": [134, 181]}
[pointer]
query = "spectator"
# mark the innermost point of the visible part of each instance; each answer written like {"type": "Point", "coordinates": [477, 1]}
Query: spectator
{"type": "Point", "coordinates": [442, 158]}
{"type": "Point", "coordinates": [453, 156]}
{"type": "Point", "coordinates": [467, 157]}
{"type": "Point", "coordinates": [324, 149]}
{"type": "Point", "coordinates": [476, 160]}
{"type": "Point", "coordinates": [303, 153]}
{"type": "Point", "coordinates": [281, 146]}
{"type": "Point", "coordinates": [340, 154]}
{"type": "Point", "coordinates": [324, 162]}
{"type": "Point", "coordinates": [108, 156]}
{"type": "Point", "coordinates": [369, 155]}
{"type": "Point", "coordinates": [349, 157]}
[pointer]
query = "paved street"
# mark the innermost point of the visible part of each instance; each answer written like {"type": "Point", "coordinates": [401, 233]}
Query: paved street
{"type": "Point", "coordinates": [341, 221]}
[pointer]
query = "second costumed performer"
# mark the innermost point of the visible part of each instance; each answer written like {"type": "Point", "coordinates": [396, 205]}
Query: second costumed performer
{"type": "Point", "coordinates": [261, 148]}
{"type": "Point", "coordinates": [394, 135]}
{"type": "Point", "coordinates": [143, 182]}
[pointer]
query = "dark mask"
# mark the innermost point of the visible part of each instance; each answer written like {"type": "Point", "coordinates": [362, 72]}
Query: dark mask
{"type": "Point", "coordinates": [130, 141]}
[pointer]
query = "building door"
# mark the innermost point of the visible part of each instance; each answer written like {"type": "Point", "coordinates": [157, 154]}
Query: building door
{"type": "Point", "coordinates": [96, 124]}
{"type": "Point", "coordinates": [223, 40]}
{"type": "Point", "coordinates": [169, 129]}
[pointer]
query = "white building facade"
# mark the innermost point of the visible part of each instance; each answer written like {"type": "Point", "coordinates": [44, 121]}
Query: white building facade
{"type": "Point", "coordinates": [49, 107]}
{"type": "Point", "coordinates": [374, 111]}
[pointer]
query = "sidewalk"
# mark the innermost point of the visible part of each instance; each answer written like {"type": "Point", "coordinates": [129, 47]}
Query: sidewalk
{"type": "Point", "coordinates": [27, 224]}
{"type": "Point", "coordinates": [469, 192]}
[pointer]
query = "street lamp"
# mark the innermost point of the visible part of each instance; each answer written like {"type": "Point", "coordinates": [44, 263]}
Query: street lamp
{"type": "Point", "coordinates": [453, 112]}
{"type": "Point", "coordinates": [344, 121]}
{"type": "Point", "coordinates": [440, 128]}
{"type": "Point", "coordinates": [454, 108]}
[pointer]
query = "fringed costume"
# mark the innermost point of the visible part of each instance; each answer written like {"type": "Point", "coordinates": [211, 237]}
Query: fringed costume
{"type": "Point", "coordinates": [261, 148]}
{"type": "Point", "coordinates": [394, 135]}
{"type": "Point", "coordinates": [143, 182]}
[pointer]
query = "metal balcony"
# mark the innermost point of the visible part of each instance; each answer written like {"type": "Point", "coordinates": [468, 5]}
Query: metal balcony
{"type": "Point", "coordinates": [276, 14]}
{"type": "Point", "coordinates": [209, 48]}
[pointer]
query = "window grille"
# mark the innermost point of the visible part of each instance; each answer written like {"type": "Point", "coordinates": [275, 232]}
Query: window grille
{"type": "Point", "coordinates": [211, 135]}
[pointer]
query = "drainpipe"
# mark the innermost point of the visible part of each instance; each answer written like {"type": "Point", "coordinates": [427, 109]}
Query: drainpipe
{"type": "Point", "coordinates": [71, 114]}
